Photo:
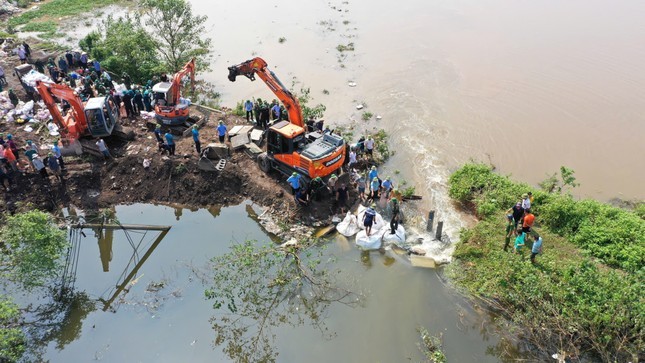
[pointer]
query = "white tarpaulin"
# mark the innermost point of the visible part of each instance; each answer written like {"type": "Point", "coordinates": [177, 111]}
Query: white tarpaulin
{"type": "Point", "coordinates": [349, 225]}
{"type": "Point", "coordinates": [398, 237]}
{"type": "Point", "coordinates": [33, 76]}
{"type": "Point", "coordinates": [378, 220]}
{"type": "Point", "coordinates": [371, 242]}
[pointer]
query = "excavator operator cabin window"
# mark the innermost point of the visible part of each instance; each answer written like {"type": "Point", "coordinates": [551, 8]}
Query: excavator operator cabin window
{"type": "Point", "coordinates": [286, 145]}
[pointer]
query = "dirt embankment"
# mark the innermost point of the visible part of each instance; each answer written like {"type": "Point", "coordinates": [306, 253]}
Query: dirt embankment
{"type": "Point", "coordinates": [90, 183]}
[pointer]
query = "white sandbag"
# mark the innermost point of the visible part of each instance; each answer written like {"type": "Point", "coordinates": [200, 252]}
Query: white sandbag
{"type": "Point", "coordinates": [33, 76]}
{"type": "Point", "coordinates": [377, 224]}
{"type": "Point", "coordinates": [28, 108]}
{"type": "Point", "coordinates": [53, 129]}
{"type": "Point", "coordinates": [348, 226]}
{"type": "Point", "coordinates": [373, 242]}
{"type": "Point", "coordinates": [397, 238]}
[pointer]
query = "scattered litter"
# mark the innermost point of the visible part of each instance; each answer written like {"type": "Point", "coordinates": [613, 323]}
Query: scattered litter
{"type": "Point", "coordinates": [28, 128]}
{"type": "Point", "coordinates": [378, 117]}
{"type": "Point", "coordinates": [359, 107]}
{"type": "Point", "coordinates": [146, 163]}
{"type": "Point", "coordinates": [53, 129]}
{"type": "Point", "coordinates": [352, 84]}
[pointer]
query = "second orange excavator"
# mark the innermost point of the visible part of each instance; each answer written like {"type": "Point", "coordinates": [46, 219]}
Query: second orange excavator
{"type": "Point", "coordinates": [168, 108]}
{"type": "Point", "coordinates": [288, 148]}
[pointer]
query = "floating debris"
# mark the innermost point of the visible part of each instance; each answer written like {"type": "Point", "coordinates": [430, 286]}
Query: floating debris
{"type": "Point", "coordinates": [359, 107]}
{"type": "Point", "coordinates": [352, 84]}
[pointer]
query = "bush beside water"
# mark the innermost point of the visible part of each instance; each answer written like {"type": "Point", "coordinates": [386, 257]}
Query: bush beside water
{"type": "Point", "coordinates": [584, 296]}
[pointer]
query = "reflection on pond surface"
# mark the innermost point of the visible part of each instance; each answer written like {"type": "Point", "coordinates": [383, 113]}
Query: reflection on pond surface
{"type": "Point", "coordinates": [162, 313]}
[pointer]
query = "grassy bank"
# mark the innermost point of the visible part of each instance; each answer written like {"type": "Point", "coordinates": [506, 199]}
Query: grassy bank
{"type": "Point", "coordinates": [55, 9]}
{"type": "Point", "coordinates": [584, 296]}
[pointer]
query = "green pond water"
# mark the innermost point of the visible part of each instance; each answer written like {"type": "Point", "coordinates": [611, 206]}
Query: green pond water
{"type": "Point", "coordinates": [148, 323]}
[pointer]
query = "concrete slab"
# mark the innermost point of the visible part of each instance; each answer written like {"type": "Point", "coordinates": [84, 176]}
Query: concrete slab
{"type": "Point", "coordinates": [256, 136]}
{"type": "Point", "coordinates": [253, 149]}
{"type": "Point", "coordinates": [239, 141]}
{"type": "Point", "coordinates": [234, 130]}
{"type": "Point", "coordinates": [216, 151]}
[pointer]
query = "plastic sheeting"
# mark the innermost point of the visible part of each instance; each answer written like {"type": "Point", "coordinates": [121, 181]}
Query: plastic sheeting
{"type": "Point", "coordinates": [33, 76]}
{"type": "Point", "coordinates": [348, 226]}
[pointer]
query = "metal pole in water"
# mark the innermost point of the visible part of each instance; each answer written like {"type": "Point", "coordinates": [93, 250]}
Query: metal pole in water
{"type": "Point", "coordinates": [439, 230]}
{"type": "Point", "coordinates": [430, 221]}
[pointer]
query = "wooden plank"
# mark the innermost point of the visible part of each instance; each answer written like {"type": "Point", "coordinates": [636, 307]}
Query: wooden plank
{"type": "Point", "coordinates": [140, 227]}
{"type": "Point", "coordinates": [423, 261]}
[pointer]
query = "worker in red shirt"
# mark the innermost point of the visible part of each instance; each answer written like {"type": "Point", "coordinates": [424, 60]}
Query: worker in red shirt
{"type": "Point", "coordinates": [527, 222]}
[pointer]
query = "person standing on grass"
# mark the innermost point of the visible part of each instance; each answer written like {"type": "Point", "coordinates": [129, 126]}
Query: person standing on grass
{"type": "Point", "coordinates": [536, 249]}
{"type": "Point", "coordinates": [517, 211]}
{"type": "Point", "coordinates": [103, 149]}
{"type": "Point", "coordinates": [198, 145]}
{"type": "Point", "coordinates": [170, 140]}
{"type": "Point", "coordinates": [510, 230]}
{"type": "Point", "coordinates": [526, 202]}
{"type": "Point", "coordinates": [527, 222]}
{"type": "Point", "coordinates": [520, 240]}
{"type": "Point", "coordinates": [221, 131]}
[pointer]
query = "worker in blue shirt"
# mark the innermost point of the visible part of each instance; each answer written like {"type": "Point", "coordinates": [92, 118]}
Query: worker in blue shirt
{"type": "Point", "coordinates": [198, 145]}
{"type": "Point", "coordinates": [158, 133]}
{"type": "Point", "coordinates": [248, 107]}
{"type": "Point", "coordinates": [170, 140]}
{"type": "Point", "coordinates": [221, 131]}
{"type": "Point", "coordinates": [294, 181]}
{"type": "Point", "coordinates": [275, 111]}
{"type": "Point", "coordinates": [387, 187]}
{"type": "Point", "coordinates": [373, 174]}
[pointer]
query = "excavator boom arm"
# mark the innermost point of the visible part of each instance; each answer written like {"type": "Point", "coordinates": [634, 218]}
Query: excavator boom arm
{"type": "Point", "coordinates": [50, 90]}
{"type": "Point", "coordinates": [189, 69]}
{"type": "Point", "coordinates": [258, 66]}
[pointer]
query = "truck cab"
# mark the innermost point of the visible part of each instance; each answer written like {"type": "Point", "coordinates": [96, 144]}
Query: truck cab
{"type": "Point", "coordinates": [101, 114]}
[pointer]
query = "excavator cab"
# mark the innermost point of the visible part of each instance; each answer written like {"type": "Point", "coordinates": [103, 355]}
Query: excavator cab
{"type": "Point", "coordinates": [285, 138]}
{"type": "Point", "coordinates": [101, 114]}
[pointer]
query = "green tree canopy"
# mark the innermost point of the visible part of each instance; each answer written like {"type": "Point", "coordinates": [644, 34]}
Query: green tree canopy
{"type": "Point", "coordinates": [12, 338]}
{"type": "Point", "coordinates": [177, 32]}
{"type": "Point", "coordinates": [124, 46]}
{"type": "Point", "coordinates": [33, 249]}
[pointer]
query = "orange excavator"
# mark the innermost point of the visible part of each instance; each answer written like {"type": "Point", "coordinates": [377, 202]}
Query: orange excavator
{"type": "Point", "coordinates": [288, 148]}
{"type": "Point", "coordinates": [168, 109]}
{"type": "Point", "coordinates": [98, 117]}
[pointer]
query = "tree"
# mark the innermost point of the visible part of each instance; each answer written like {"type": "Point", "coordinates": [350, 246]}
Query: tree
{"type": "Point", "coordinates": [12, 338]}
{"type": "Point", "coordinates": [177, 32]}
{"type": "Point", "coordinates": [124, 46]}
{"type": "Point", "coordinates": [258, 287]}
{"type": "Point", "coordinates": [553, 183]}
{"type": "Point", "coordinates": [33, 249]}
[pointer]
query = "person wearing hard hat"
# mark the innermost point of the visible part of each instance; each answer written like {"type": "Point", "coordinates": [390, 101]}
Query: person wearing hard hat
{"type": "Point", "coordinates": [331, 184]}
{"type": "Point", "coordinates": [158, 133]}
{"type": "Point", "coordinates": [526, 202]}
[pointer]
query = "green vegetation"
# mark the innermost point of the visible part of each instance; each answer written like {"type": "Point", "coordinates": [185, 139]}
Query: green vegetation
{"type": "Point", "coordinates": [40, 27]}
{"type": "Point", "coordinates": [381, 145]}
{"type": "Point", "coordinates": [239, 109]}
{"type": "Point", "coordinates": [33, 247]}
{"type": "Point", "coordinates": [325, 92]}
{"type": "Point", "coordinates": [282, 40]}
{"type": "Point", "coordinates": [178, 34]}
{"type": "Point", "coordinates": [345, 48]}
{"type": "Point", "coordinates": [309, 112]}
{"type": "Point", "coordinates": [55, 9]}
{"type": "Point", "coordinates": [12, 338]}
{"type": "Point", "coordinates": [568, 302]}
{"type": "Point", "coordinates": [260, 287]}
{"type": "Point", "coordinates": [367, 115]}
{"type": "Point", "coordinates": [431, 346]}
{"type": "Point", "coordinates": [408, 192]}
{"type": "Point", "coordinates": [124, 46]}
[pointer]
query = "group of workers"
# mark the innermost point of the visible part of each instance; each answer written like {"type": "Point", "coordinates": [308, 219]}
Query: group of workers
{"type": "Point", "coordinates": [166, 140]}
{"type": "Point", "coordinates": [12, 165]}
{"type": "Point", "coordinates": [520, 221]}
{"type": "Point", "coordinates": [264, 112]}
